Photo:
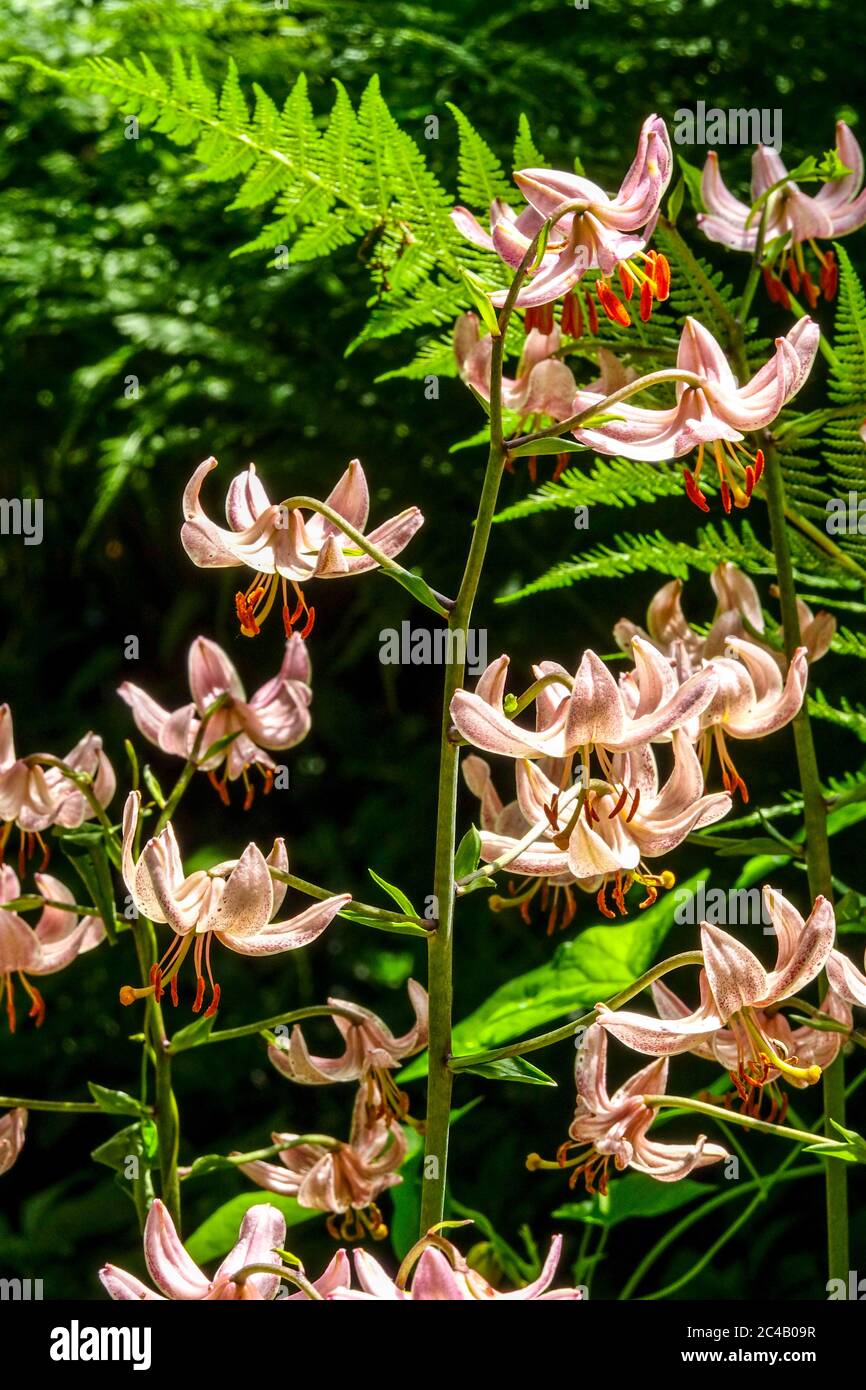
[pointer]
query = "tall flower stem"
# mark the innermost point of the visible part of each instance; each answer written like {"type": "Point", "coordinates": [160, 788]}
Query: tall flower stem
{"type": "Point", "coordinates": [817, 854]}
{"type": "Point", "coordinates": [440, 947]}
{"type": "Point", "coordinates": [165, 1105]}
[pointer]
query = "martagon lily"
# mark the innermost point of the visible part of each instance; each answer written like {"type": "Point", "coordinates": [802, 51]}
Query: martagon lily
{"type": "Point", "coordinates": [276, 717]}
{"type": "Point", "coordinates": [178, 1277]}
{"type": "Point", "coordinates": [371, 1052]}
{"type": "Point", "coordinates": [735, 990]}
{"type": "Point", "coordinates": [12, 1127]}
{"type": "Point", "coordinates": [282, 545]}
{"type": "Point", "coordinates": [53, 943]}
{"type": "Point", "coordinates": [615, 1126]}
{"type": "Point", "coordinates": [596, 233]}
{"type": "Point", "coordinates": [837, 208]}
{"type": "Point", "coordinates": [233, 902]}
{"type": "Point", "coordinates": [343, 1179]}
{"type": "Point", "coordinates": [715, 410]}
{"type": "Point", "coordinates": [435, 1271]}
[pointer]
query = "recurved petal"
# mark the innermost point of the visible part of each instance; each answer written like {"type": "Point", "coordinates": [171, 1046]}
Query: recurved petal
{"type": "Point", "coordinates": [845, 979]}
{"type": "Point", "coordinates": [290, 935]}
{"type": "Point", "coordinates": [803, 947]}
{"type": "Point", "coordinates": [246, 905]}
{"type": "Point", "coordinates": [123, 1287]}
{"type": "Point", "coordinates": [170, 1267]}
{"type": "Point", "coordinates": [263, 1230]}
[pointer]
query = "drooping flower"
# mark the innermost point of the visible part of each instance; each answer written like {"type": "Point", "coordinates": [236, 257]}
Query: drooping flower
{"type": "Point", "coordinates": [845, 979]}
{"type": "Point", "coordinates": [276, 717]}
{"type": "Point", "coordinates": [177, 1276]}
{"type": "Point", "coordinates": [436, 1270]}
{"type": "Point", "coordinates": [736, 990]}
{"type": "Point", "coordinates": [738, 614]}
{"type": "Point", "coordinates": [615, 1126]}
{"type": "Point", "coordinates": [233, 902]}
{"type": "Point", "coordinates": [343, 1179]}
{"type": "Point", "coordinates": [587, 713]}
{"type": "Point", "coordinates": [12, 1127]}
{"type": "Point", "coordinates": [52, 944]}
{"type": "Point", "coordinates": [371, 1053]}
{"type": "Point", "coordinates": [597, 233]}
{"type": "Point", "coordinates": [35, 797]}
{"type": "Point", "coordinates": [282, 545]}
{"type": "Point", "coordinates": [717, 412]}
{"type": "Point", "coordinates": [808, 1046]}
{"type": "Point", "coordinates": [801, 219]}
{"type": "Point", "coordinates": [609, 832]}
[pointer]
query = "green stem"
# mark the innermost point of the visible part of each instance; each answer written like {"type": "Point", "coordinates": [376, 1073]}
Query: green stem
{"type": "Point", "coordinates": [440, 984]}
{"type": "Point", "coordinates": [247, 1030]}
{"type": "Point", "coordinates": [69, 1107]}
{"type": "Point", "coordinates": [382, 918]}
{"type": "Point", "coordinates": [165, 1105]}
{"type": "Point", "coordinates": [718, 1112]}
{"type": "Point", "coordinates": [817, 855]}
{"type": "Point", "coordinates": [568, 1030]}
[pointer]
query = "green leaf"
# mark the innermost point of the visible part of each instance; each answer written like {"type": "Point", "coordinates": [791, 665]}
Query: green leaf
{"type": "Point", "coordinates": [512, 1069]}
{"type": "Point", "coordinates": [548, 446]}
{"type": "Point", "coordinates": [395, 893]}
{"type": "Point", "coordinates": [481, 299]}
{"type": "Point", "coordinates": [193, 1035]}
{"type": "Point", "coordinates": [115, 1102]}
{"type": "Point", "coordinates": [630, 1196]}
{"type": "Point", "coordinates": [692, 176]}
{"type": "Point", "coordinates": [139, 1140]}
{"type": "Point", "coordinates": [468, 853]}
{"type": "Point", "coordinates": [152, 783]}
{"type": "Point", "coordinates": [219, 1232]}
{"type": "Point", "coordinates": [675, 201]}
{"type": "Point", "coordinates": [85, 850]}
{"type": "Point", "coordinates": [590, 967]}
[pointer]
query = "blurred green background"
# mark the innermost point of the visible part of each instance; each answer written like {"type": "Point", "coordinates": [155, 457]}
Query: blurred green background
{"type": "Point", "coordinates": [113, 263]}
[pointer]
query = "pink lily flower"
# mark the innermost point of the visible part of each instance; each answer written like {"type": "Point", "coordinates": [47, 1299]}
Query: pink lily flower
{"type": "Point", "coordinates": [370, 1054]}
{"type": "Point", "coordinates": [343, 1179]}
{"type": "Point", "coordinates": [283, 546]}
{"type": "Point", "coordinates": [12, 1127]}
{"type": "Point", "coordinates": [442, 1273]}
{"type": "Point", "coordinates": [839, 207]}
{"type": "Point", "coordinates": [35, 797]}
{"type": "Point", "coordinates": [609, 835]}
{"type": "Point", "coordinates": [55, 941]}
{"type": "Point", "coordinates": [845, 979]}
{"type": "Point", "coordinates": [233, 902]}
{"type": "Point", "coordinates": [809, 1046]}
{"type": "Point", "coordinates": [594, 714]}
{"type": "Point", "coordinates": [738, 603]}
{"type": "Point", "coordinates": [615, 1127]}
{"type": "Point", "coordinates": [717, 412]}
{"type": "Point", "coordinates": [543, 385]}
{"type": "Point", "coordinates": [598, 233]}
{"type": "Point", "coordinates": [176, 1276]}
{"type": "Point", "coordinates": [735, 990]}
{"type": "Point", "coordinates": [276, 717]}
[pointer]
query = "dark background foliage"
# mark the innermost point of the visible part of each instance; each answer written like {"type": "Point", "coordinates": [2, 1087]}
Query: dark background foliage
{"type": "Point", "coordinates": [113, 262]}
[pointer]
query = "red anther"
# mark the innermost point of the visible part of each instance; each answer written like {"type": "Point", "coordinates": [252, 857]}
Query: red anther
{"type": "Point", "coordinates": [626, 280]}
{"type": "Point", "coordinates": [199, 995]}
{"type": "Point", "coordinates": [646, 301]}
{"type": "Point", "coordinates": [37, 1003]}
{"type": "Point", "coordinates": [268, 775]}
{"type": "Point", "coordinates": [562, 462]}
{"type": "Point", "coordinates": [634, 805]}
{"type": "Point", "coordinates": [156, 981]}
{"type": "Point", "coordinates": [662, 277]}
{"type": "Point", "coordinates": [287, 621]}
{"type": "Point", "coordinates": [810, 290]}
{"type": "Point", "coordinates": [214, 1003]}
{"type": "Point", "coordinates": [830, 276]}
{"type": "Point", "coordinates": [308, 625]}
{"type": "Point", "coordinates": [540, 318]}
{"type": "Point", "coordinates": [220, 788]}
{"type": "Point", "coordinates": [794, 278]}
{"type": "Point", "coordinates": [250, 796]}
{"type": "Point", "coordinates": [750, 480]}
{"type": "Point", "coordinates": [694, 493]}
{"type": "Point", "coordinates": [613, 307]}
{"type": "Point", "coordinates": [173, 990]}
{"type": "Point", "coordinates": [10, 1004]}
{"type": "Point", "coordinates": [571, 320]}
{"type": "Point", "coordinates": [602, 905]}
{"type": "Point", "coordinates": [592, 313]}
{"type": "Point", "coordinates": [619, 805]}
{"type": "Point", "coordinates": [524, 911]}
{"type": "Point", "coordinates": [651, 894]}
{"type": "Point", "coordinates": [300, 607]}
{"type": "Point", "coordinates": [726, 497]}
{"type": "Point", "coordinates": [532, 468]}
{"type": "Point", "coordinates": [759, 465]}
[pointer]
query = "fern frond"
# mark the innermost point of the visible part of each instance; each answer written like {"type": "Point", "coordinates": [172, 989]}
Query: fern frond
{"type": "Point", "coordinates": [613, 482]}
{"type": "Point", "coordinates": [847, 716]}
{"type": "Point", "coordinates": [526, 154]}
{"type": "Point", "coordinates": [482, 178]}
